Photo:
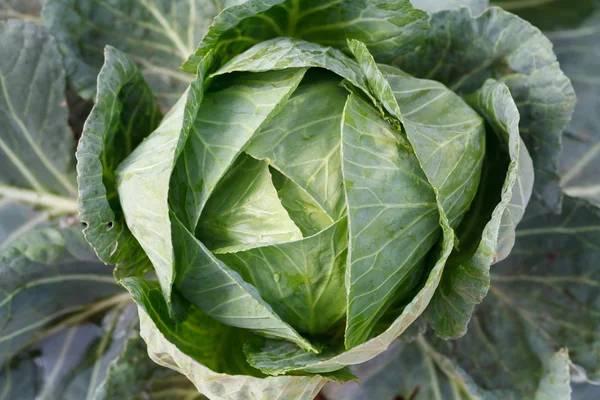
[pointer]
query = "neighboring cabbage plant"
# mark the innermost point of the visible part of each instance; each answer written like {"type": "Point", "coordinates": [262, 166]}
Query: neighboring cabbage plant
{"type": "Point", "coordinates": [334, 170]}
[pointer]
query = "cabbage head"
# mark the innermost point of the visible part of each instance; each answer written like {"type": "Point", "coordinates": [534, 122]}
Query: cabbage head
{"type": "Point", "coordinates": [337, 173]}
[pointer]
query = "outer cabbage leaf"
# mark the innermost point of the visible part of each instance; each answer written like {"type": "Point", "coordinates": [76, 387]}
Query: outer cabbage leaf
{"type": "Point", "coordinates": [175, 346]}
{"type": "Point", "coordinates": [37, 271]}
{"type": "Point", "coordinates": [47, 322]}
{"type": "Point", "coordinates": [512, 52]}
{"type": "Point", "coordinates": [584, 391]}
{"type": "Point", "coordinates": [488, 234]}
{"type": "Point", "coordinates": [16, 219]}
{"type": "Point", "coordinates": [387, 27]}
{"type": "Point", "coordinates": [577, 50]}
{"type": "Point", "coordinates": [157, 34]}
{"type": "Point", "coordinates": [35, 149]}
{"type": "Point", "coordinates": [407, 370]}
{"type": "Point", "coordinates": [542, 298]}
{"type": "Point", "coordinates": [128, 374]}
{"type": "Point", "coordinates": [125, 112]}
{"type": "Point", "coordinates": [74, 361]}
{"type": "Point", "coordinates": [35, 139]}
{"type": "Point", "coordinates": [419, 371]}
{"type": "Point", "coordinates": [549, 15]}
{"type": "Point", "coordinates": [19, 379]}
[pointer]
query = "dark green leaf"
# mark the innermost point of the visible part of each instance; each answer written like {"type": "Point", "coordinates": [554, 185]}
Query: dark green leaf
{"type": "Point", "coordinates": [35, 140]}
{"type": "Point", "coordinates": [54, 290]}
{"type": "Point", "coordinates": [16, 219]}
{"type": "Point", "coordinates": [176, 346]}
{"type": "Point", "coordinates": [488, 232]}
{"type": "Point", "coordinates": [125, 112]}
{"type": "Point", "coordinates": [513, 52]}
{"type": "Point", "coordinates": [75, 360]}
{"type": "Point", "coordinates": [550, 14]}
{"type": "Point", "coordinates": [584, 391]}
{"type": "Point", "coordinates": [386, 27]}
{"type": "Point", "coordinates": [157, 34]}
{"type": "Point", "coordinates": [412, 371]}
{"type": "Point", "coordinates": [418, 371]}
{"type": "Point", "coordinates": [19, 379]}
{"type": "Point", "coordinates": [128, 374]}
{"type": "Point", "coordinates": [577, 50]}
{"type": "Point", "coordinates": [543, 298]}
{"type": "Point", "coordinates": [37, 274]}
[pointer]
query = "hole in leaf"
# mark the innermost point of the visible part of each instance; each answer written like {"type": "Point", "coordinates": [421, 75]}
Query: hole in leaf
{"type": "Point", "coordinates": [110, 225]}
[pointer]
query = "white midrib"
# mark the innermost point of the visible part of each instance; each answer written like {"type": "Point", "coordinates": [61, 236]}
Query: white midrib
{"type": "Point", "coordinates": [191, 30]}
{"type": "Point", "coordinates": [10, 12]}
{"type": "Point", "coordinates": [26, 172]}
{"type": "Point", "coordinates": [36, 149]}
{"type": "Point", "coordinates": [59, 204]}
{"type": "Point", "coordinates": [58, 364]}
{"type": "Point", "coordinates": [580, 165]}
{"type": "Point", "coordinates": [557, 230]}
{"type": "Point", "coordinates": [100, 351]}
{"type": "Point", "coordinates": [57, 279]}
{"type": "Point", "coordinates": [168, 29]}
{"type": "Point", "coordinates": [26, 227]}
{"type": "Point", "coordinates": [83, 315]}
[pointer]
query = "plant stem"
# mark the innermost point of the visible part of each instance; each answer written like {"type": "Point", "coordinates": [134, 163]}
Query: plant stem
{"type": "Point", "coordinates": [50, 201]}
{"type": "Point", "coordinates": [83, 315]}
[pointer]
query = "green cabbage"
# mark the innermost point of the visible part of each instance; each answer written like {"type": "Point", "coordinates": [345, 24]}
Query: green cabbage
{"type": "Point", "coordinates": [334, 171]}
